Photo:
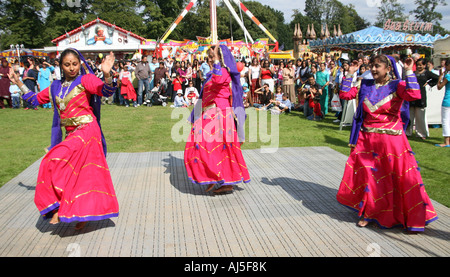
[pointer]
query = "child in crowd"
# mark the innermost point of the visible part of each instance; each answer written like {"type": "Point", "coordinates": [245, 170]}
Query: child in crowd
{"type": "Point", "coordinates": [279, 94]}
{"type": "Point", "coordinates": [177, 82]}
{"type": "Point", "coordinates": [283, 106]}
{"type": "Point", "coordinates": [180, 102]}
{"type": "Point", "coordinates": [245, 95]}
{"type": "Point", "coordinates": [15, 95]}
{"type": "Point", "coordinates": [317, 110]}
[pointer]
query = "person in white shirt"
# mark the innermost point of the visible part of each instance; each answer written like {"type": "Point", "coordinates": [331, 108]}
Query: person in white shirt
{"type": "Point", "coordinates": [191, 94]}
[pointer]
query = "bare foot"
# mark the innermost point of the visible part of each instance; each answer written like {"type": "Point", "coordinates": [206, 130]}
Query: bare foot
{"type": "Point", "coordinates": [80, 225]}
{"type": "Point", "coordinates": [362, 223]}
{"type": "Point", "coordinates": [55, 219]}
{"type": "Point", "coordinates": [225, 188]}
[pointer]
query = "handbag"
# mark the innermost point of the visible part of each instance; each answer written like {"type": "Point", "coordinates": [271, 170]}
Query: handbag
{"type": "Point", "coordinates": [336, 103]}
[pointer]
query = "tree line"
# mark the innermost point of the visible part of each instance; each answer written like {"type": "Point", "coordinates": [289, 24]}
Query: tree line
{"type": "Point", "coordinates": [35, 23]}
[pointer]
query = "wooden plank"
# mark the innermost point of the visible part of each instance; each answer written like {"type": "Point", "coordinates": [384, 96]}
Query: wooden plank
{"type": "Point", "coordinates": [288, 209]}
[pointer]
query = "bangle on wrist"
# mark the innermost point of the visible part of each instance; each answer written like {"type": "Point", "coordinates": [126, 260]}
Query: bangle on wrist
{"type": "Point", "coordinates": [108, 80]}
{"type": "Point", "coordinates": [24, 89]}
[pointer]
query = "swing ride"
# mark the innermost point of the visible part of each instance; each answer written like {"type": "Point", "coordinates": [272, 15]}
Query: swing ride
{"type": "Point", "coordinates": [213, 22]}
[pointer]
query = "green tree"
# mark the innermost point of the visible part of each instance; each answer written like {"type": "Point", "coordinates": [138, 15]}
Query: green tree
{"type": "Point", "coordinates": [62, 18]}
{"type": "Point", "coordinates": [333, 14]}
{"type": "Point", "coordinates": [158, 15]}
{"type": "Point", "coordinates": [427, 11]}
{"type": "Point", "coordinates": [390, 9]}
{"type": "Point", "coordinates": [22, 22]}
{"type": "Point", "coordinates": [121, 13]}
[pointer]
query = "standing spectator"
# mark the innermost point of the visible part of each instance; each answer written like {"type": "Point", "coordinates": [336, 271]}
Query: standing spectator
{"type": "Point", "coordinates": [143, 74]}
{"type": "Point", "coordinates": [302, 73]}
{"type": "Point", "coordinates": [244, 74]}
{"type": "Point", "coordinates": [204, 67]}
{"type": "Point", "coordinates": [267, 73]}
{"type": "Point", "coordinates": [176, 84]}
{"type": "Point", "coordinates": [288, 82]}
{"type": "Point", "coordinates": [45, 79]}
{"type": "Point", "coordinates": [29, 79]}
{"type": "Point", "coordinates": [56, 71]}
{"type": "Point", "coordinates": [417, 108]}
{"type": "Point", "coordinates": [189, 73]}
{"type": "Point", "coordinates": [126, 87]}
{"type": "Point", "coordinates": [196, 75]}
{"type": "Point", "coordinates": [254, 73]}
{"type": "Point", "coordinates": [4, 84]}
{"type": "Point", "coordinates": [444, 81]}
{"type": "Point", "coordinates": [182, 70]}
{"type": "Point", "coordinates": [279, 74]}
{"type": "Point", "coordinates": [430, 67]}
{"type": "Point", "coordinates": [323, 79]}
{"type": "Point", "coordinates": [160, 77]}
{"type": "Point", "coordinates": [153, 65]}
{"type": "Point", "coordinates": [168, 63]}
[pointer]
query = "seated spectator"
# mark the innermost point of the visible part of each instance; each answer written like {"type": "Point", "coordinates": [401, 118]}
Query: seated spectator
{"type": "Point", "coordinates": [191, 94]}
{"type": "Point", "coordinates": [265, 96]}
{"type": "Point", "coordinates": [279, 94]}
{"type": "Point", "coordinates": [283, 106]}
{"type": "Point", "coordinates": [317, 110]}
{"type": "Point", "coordinates": [310, 90]}
{"type": "Point", "coordinates": [179, 101]}
{"type": "Point", "coordinates": [301, 100]}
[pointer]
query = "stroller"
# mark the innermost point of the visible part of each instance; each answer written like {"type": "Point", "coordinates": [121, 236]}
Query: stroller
{"type": "Point", "coordinates": [154, 97]}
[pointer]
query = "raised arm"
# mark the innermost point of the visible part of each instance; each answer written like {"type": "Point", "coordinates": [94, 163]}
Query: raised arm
{"type": "Point", "coordinates": [347, 91]}
{"type": "Point", "coordinates": [409, 90]}
{"type": "Point", "coordinates": [31, 97]}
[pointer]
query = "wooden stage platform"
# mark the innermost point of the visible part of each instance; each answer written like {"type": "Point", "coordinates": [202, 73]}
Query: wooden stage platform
{"type": "Point", "coordinates": [289, 209]}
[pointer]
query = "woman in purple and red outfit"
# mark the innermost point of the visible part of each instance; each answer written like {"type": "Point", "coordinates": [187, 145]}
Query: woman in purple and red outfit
{"type": "Point", "coordinates": [382, 179]}
{"type": "Point", "coordinates": [74, 183]}
{"type": "Point", "coordinates": [213, 151]}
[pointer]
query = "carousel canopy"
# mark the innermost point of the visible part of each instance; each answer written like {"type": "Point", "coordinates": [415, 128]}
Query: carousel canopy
{"type": "Point", "coordinates": [374, 38]}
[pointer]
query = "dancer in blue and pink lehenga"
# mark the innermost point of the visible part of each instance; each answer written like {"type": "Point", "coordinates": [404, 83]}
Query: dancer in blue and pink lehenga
{"type": "Point", "coordinates": [382, 179]}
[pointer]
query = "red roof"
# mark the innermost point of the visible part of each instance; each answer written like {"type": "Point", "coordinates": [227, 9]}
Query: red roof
{"type": "Point", "coordinates": [93, 22]}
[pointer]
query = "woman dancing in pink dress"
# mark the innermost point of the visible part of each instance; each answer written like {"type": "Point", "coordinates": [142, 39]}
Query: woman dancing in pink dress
{"type": "Point", "coordinates": [74, 183]}
{"type": "Point", "coordinates": [213, 151]}
{"type": "Point", "coordinates": [382, 179]}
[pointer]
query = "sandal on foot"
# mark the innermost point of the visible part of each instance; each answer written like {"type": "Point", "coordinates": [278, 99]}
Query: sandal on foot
{"type": "Point", "coordinates": [210, 187]}
{"type": "Point", "coordinates": [225, 188]}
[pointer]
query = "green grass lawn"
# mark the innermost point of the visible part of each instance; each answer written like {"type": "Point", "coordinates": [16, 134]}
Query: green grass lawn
{"type": "Point", "coordinates": [25, 134]}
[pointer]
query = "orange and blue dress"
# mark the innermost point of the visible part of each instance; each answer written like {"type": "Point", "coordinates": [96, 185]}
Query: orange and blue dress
{"type": "Point", "coordinates": [74, 178]}
{"type": "Point", "coordinates": [382, 179]}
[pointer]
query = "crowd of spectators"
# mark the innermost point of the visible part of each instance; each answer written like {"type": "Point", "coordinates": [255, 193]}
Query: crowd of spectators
{"type": "Point", "coordinates": [305, 85]}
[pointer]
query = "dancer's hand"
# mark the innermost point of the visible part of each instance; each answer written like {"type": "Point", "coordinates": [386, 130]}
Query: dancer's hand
{"type": "Point", "coordinates": [108, 63]}
{"type": "Point", "coordinates": [409, 63]}
{"type": "Point", "coordinates": [13, 77]}
{"type": "Point", "coordinates": [353, 67]}
{"type": "Point", "coordinates": [216, 52]}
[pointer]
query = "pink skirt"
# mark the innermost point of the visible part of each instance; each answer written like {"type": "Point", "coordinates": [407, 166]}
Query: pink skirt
{"type": "Point", "coordinates": [213, 152]}
{"type": "Point", "coordinates": [382, 182]}
{"type": "Point", "coordinates": [74, 179]}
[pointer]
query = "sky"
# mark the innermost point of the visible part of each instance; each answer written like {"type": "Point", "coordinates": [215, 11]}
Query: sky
{"type": "Point", "coordinates": [366, 8]}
